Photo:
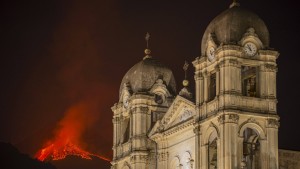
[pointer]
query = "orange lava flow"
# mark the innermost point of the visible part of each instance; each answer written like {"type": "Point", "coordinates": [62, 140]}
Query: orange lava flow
{"type": "Point", "coordinates": [58, 153]}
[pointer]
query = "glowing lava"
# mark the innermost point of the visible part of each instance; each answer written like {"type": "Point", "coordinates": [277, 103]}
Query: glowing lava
{"type": "Point", "coordinates": [67, 138]}
{"type": "Point", "coordinates": [58, 153]}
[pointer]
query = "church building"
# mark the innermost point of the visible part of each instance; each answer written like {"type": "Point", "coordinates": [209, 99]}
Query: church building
{"type": "Point", "coordinates": [231, 120]}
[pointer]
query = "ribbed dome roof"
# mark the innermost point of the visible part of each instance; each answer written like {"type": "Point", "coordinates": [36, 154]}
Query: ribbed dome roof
{"type": "Point", "coordinates": [144, 74]}
{"type": "Point", "coordinates": [230, 26]}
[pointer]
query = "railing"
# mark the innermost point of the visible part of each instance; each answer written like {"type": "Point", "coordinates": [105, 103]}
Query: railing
{"type": "Point", "coordinates": [237, 102]}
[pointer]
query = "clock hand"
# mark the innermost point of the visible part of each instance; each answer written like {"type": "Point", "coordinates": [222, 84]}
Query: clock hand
{"type": "Point", "coordinates": [249, 48]}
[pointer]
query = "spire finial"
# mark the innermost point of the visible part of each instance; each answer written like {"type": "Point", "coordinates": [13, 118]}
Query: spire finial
{"type": "Point", "coordinates": [147, 37]}
{"type": "Point", "coordinates": [185, 92]}
{"type": "Point", "coordinates": [185, 68]}
{"type": "Point", "coordinates": [147, 50]}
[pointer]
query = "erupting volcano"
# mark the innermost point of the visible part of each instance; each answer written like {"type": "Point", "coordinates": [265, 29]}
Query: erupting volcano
{"type": "Point", "coordinates": [60, 152]}
{"type": "Point", "coordinates": [67, 139]}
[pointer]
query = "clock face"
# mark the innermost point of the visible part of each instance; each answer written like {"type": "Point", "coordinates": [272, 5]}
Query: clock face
{"type": "Point", "coordinates": [210, 53]}
{"type": "Point", "coordinates": [250, 49]}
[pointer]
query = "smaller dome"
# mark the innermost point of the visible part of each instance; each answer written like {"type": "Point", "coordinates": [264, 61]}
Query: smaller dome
{"type": "Point", "coordinates": [230, 26]}
{"type": "Point", "coordinates": [143, 75]}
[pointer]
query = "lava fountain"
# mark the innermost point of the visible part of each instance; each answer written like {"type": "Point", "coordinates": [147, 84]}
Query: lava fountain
{"type": "Point", "coordinates": [67, 138]}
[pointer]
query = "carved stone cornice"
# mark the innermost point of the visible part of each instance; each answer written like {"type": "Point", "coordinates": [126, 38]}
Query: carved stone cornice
{"type": "Point", "coordinates": [179, 127]}
{"type": "Point", "coordinates": [269, 52]}
{"type": "Point", "coordinates": [273, 123]}
{"type": "Point", "coordinates": [270, 67]}
{"type": "Point", "coordinates": [228, 118]}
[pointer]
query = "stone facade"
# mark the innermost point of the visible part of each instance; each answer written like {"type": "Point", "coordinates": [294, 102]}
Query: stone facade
{"type": "Point", "coordinates": [231, 123]}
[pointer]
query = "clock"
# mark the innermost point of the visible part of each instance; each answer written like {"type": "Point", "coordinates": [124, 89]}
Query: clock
{"type": "Point", "coordinates": [210, 53]}
{"type": "Point", "coordinates": [250, 49]}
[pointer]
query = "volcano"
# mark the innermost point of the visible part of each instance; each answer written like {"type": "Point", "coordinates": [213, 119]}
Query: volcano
{"type": "Point", "coordinates": [55, 152]}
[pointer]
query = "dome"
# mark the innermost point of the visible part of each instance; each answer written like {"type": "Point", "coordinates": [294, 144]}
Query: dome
{"type": "Point", "coordinates": [143, 75]}
{"type": "Point", "coordinates": [230, 26]}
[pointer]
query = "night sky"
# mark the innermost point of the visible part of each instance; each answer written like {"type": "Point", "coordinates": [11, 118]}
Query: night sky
{"type": "Point", "coordinates": [57, 55]}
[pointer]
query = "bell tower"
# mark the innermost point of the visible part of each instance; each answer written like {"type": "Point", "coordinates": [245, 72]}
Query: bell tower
{"type": "Point", "coordinates": [146, 92]}
{"type": "Point", "coordinates": [235, 80]}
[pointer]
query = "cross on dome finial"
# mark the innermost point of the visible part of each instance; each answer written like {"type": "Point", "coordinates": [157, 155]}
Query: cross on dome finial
{"type": "Point", "coordinates": [147, 50]}
{"type": "Point", "coordinates": [185, 92]}
{"type": "Point", "coordinates": [185, 68]}
{"type": "Point", "coordinates": [147, 39]}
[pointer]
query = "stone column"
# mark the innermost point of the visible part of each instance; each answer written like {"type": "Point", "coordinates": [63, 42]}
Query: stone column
{"type": "Point", "coordinates": [204, 156]}
{"type": "Point", "coordinates": [217, 80]}
{"type": "Point", "coordinates": [272, 143]}
{"type": "Point", "coordinates": [222, 77]}
{"type": "Point", "coordinates": [205, 86]}
{"type": "Point", "coordinates": [115, 136]}
{"type": "Point", "coordinates": [267, 80]}
{"type": "Point", "coordinates": [199, 88]}
{"type": "Point", "coordinates": [262, 82]}
{"type": "Point", "coordinates": [197, 146]}
{"type": "Point", "coordinates": [228, 140]}
{"type": "Point", "coordinates": [240, 145]}
{"type": "Point", "coordinates": [139, 121]}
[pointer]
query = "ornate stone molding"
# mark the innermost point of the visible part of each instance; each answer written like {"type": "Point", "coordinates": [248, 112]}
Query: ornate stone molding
{"type": "Point", "coordinates": [270, 68]}
{"type": "Point", "coordinates": [250, 32]}
{"type": "Point", "coordinates": [222, 63]}
{"type": "Point", "coordinates": [163, 156]}
{"type": "Point", "coordinates": [198, 76]}
{"type": "Point", "coordinates": [233, 61]}
{"type": "Point", "coordinates": [186, 114]}
{"type": "Point", "coordinates": [139, 158]}
{"type": "Point", "coordinates": [140, 109]}
{"type": "Point", "coordinates": [273, 123]}
{"type": "Point", "coordinates": [228, 118]}
{"type": "Point", "coordinates": [269, 52]}
{"type": "Point", "coordinates": [179, 127]}
{"type": "Point", "coordinates": [250, 120]}
{"type": "Point", "coordinates": [197, 128]}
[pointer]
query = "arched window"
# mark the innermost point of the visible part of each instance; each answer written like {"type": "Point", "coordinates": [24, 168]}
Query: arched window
{"type": "Point", "coordinates": [251, 149]}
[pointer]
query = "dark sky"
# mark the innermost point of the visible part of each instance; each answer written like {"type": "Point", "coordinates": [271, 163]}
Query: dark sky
{"type": "Point", "coordinates": [56, 54]}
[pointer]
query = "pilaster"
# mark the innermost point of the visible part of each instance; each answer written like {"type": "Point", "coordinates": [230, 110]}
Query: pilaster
{"type": "Point", "coordinates": [228, 124]}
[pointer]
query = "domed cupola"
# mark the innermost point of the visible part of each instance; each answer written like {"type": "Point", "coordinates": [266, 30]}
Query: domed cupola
{"type": "Point", "coordinates": [231, 25]}
{"type": "Point", "coordinates": [147, 75]}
